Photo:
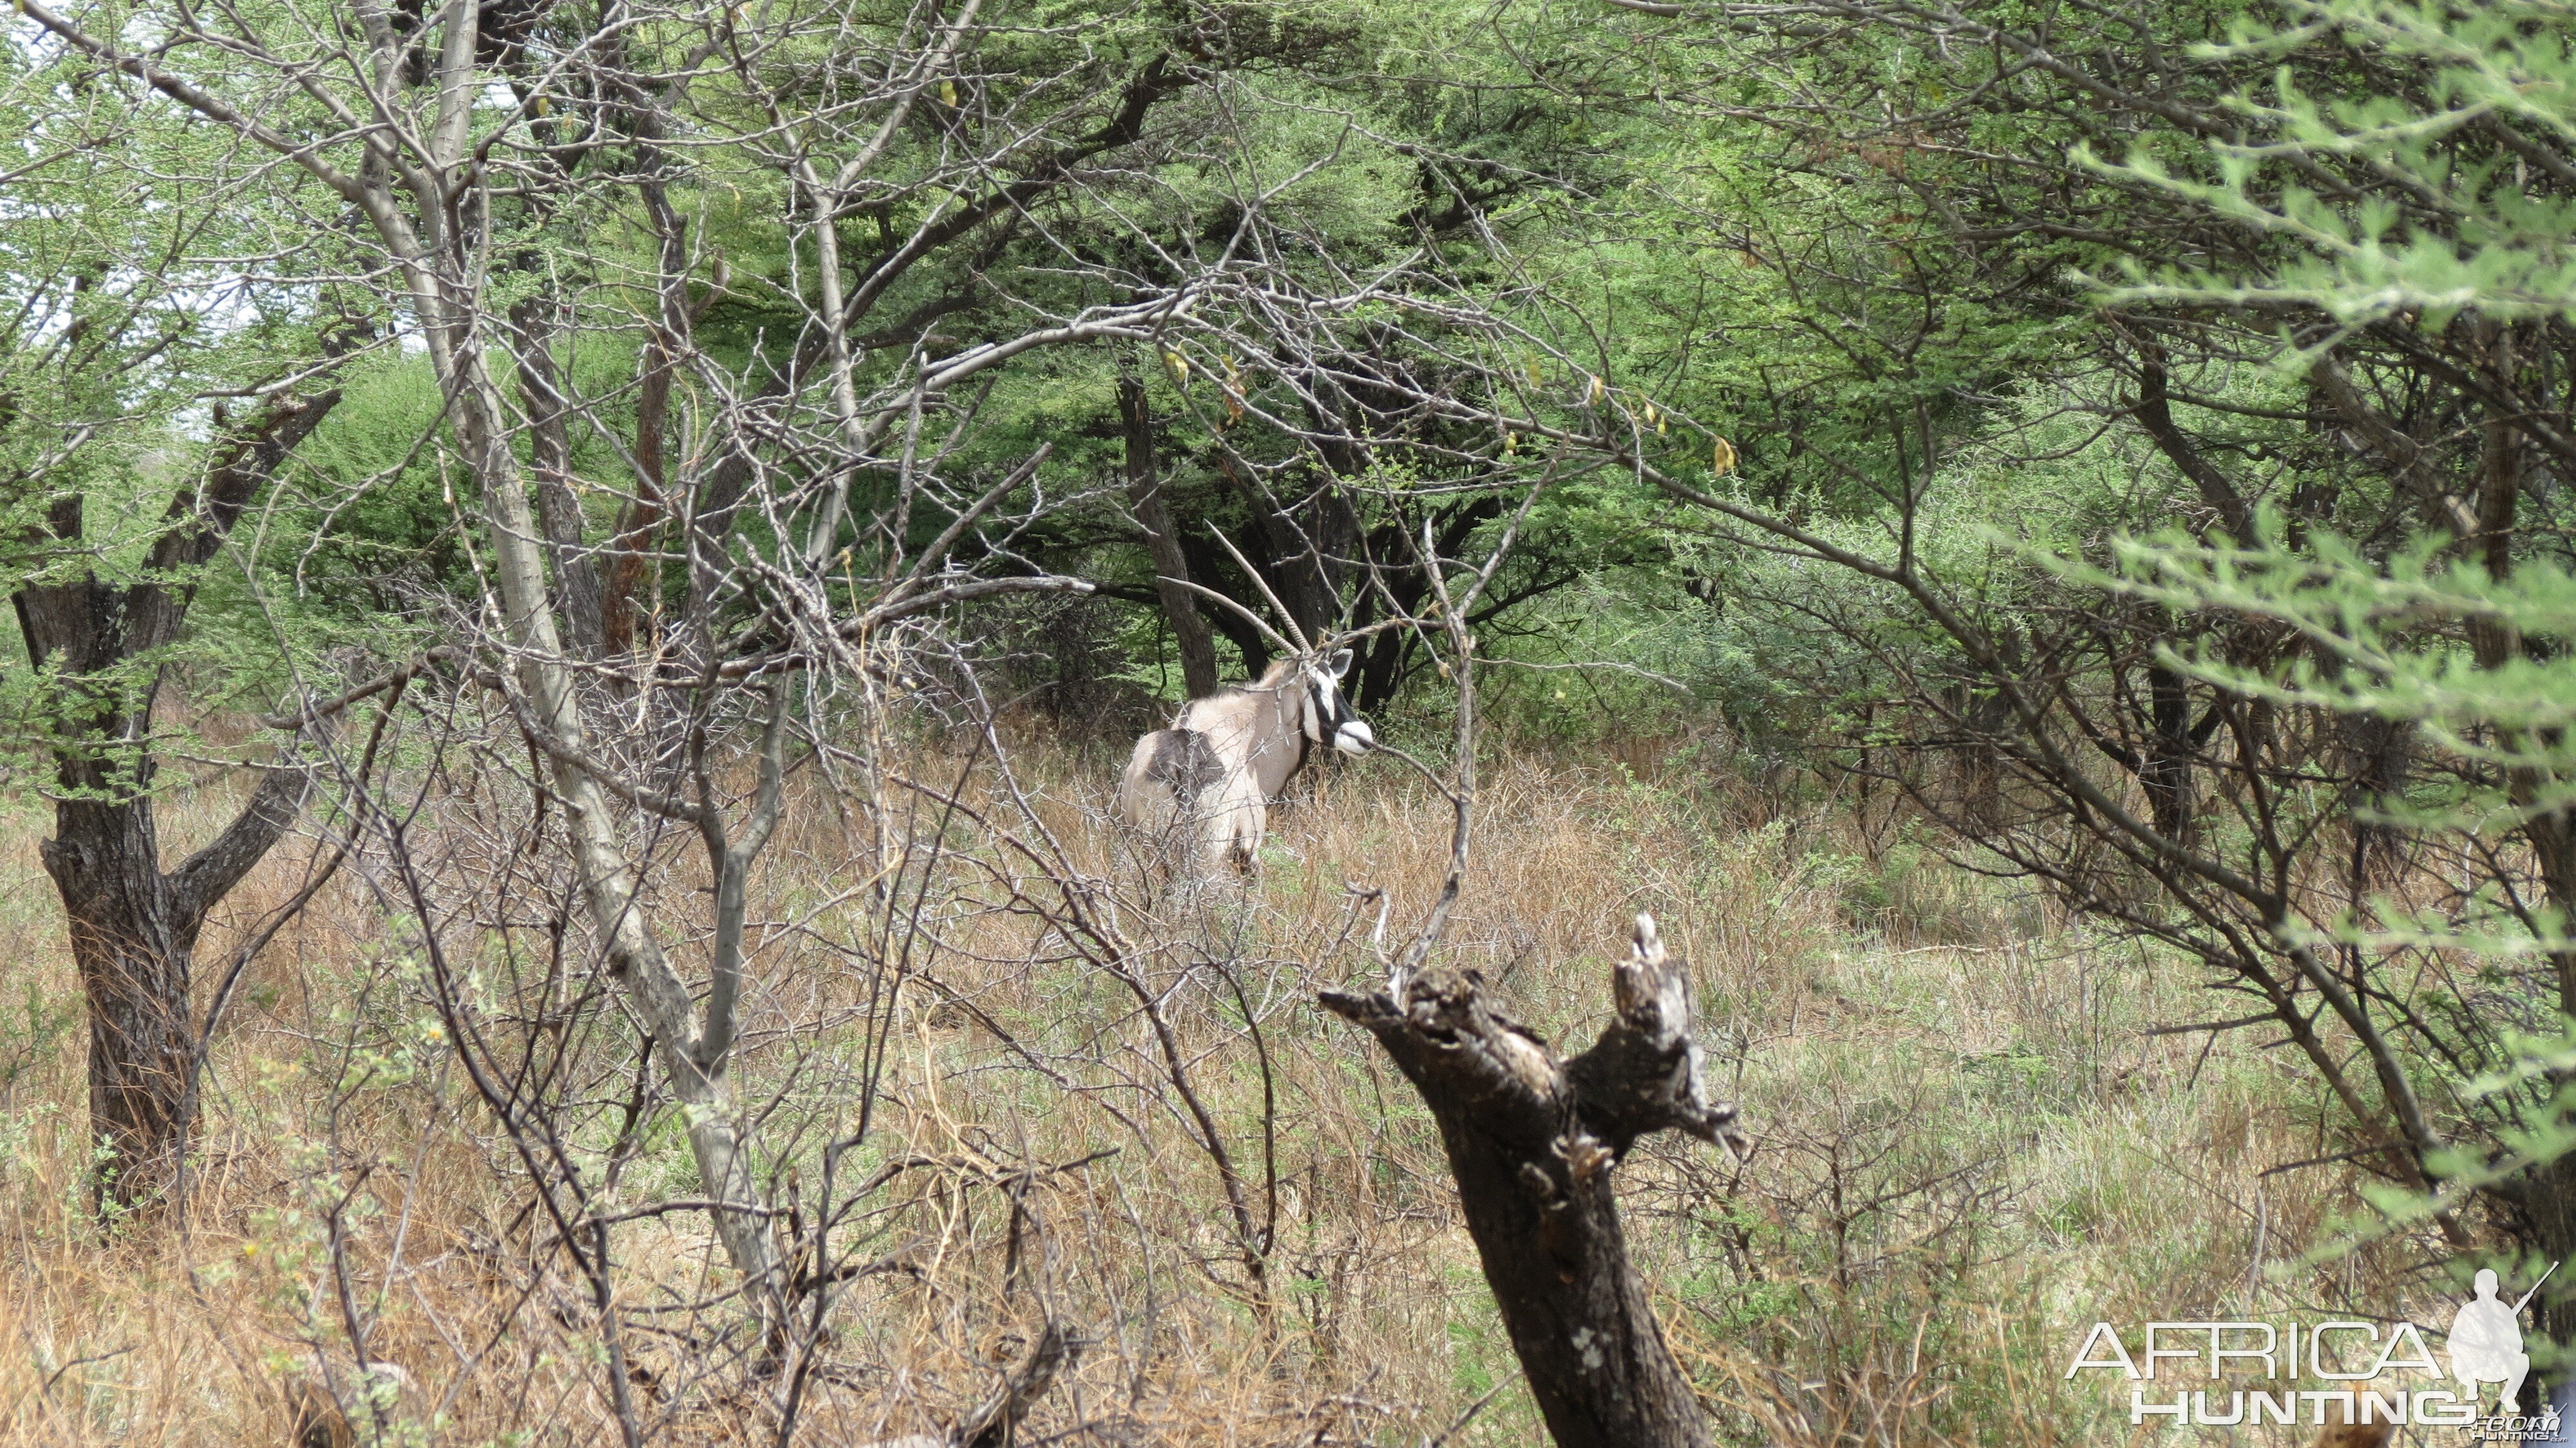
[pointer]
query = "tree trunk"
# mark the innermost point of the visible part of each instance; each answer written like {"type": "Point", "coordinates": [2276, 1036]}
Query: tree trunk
{"type": "Point", "coordinates": [2548, 1199]}
{"type": "Point", "coordinates": [577, 585]}
{"type": "Point", "coordinates": [2167, 771]}
{"type": "Point", "coordinates": [1209, 567]}
{"type": "Point", "coordinates": [133, 926]}
{"type": "Point", "coordinates": [1292, 556]}
{"type": "Point", "coordinates": [1533, 1143]}
{"type": "Point", "coordinates": [2379, 754]}
{"type": "Point", "coordinates": [609, 879]}
{"type": "Point", "coordinates": [1984, 718]}
{"type": "Point", "coordinates": [2218, 494]}
{"type": "Point", "coordinates": [632, 574]}
{"type": "Point", "coordinates": [2548, 1194]}
{"type": "Point", "coordinates": [1163, 540]}
{"type": "Point", "coordinates": [134, 933]}
{"type": "Point", "coordinates": [134, 969]}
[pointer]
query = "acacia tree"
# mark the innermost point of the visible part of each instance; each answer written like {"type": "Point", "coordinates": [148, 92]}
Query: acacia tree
{"type": "Point", "coordinates": [115, 334]}
{"type": "Point", "coordinates": [796, 222]}
{"type": "Point", "coordinates": [2144, 267]}
{"type": "Point", "coordinates": [103, 645]}
{"type": "Point", "coordinates": [2142, 273]}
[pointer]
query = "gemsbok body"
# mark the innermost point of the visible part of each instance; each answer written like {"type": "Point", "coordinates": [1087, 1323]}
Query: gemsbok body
{"type": "Point", "coordinates": [1201, 789]}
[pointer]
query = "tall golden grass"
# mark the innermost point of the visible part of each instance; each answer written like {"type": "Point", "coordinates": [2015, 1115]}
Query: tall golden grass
{"type": "Point", "coordinates": [1968, 1147]}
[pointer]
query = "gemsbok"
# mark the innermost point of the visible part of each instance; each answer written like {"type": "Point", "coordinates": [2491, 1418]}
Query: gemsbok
{"type": "Point", "coordinates": [1201, 789]}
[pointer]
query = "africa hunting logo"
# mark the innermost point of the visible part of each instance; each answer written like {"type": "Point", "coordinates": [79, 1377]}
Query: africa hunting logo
{"type": "Point", "coordinates": [2484, 1344]}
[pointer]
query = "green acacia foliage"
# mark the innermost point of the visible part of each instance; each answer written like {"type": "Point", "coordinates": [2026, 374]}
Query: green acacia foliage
{"type": "Point", "coordinates": [1830, 360]}
{"type": "Point", "coordinates": [2464, 218]}
{"type": "Point", "coordinates": [1978, 292]}
{"type": "Point", "coordinates": [2452, 639]}
{"type": "Point", "coordinates": [142, 339]}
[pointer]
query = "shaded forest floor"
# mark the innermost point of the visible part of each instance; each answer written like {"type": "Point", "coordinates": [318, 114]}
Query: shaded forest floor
{"type": "Point", "coordinates": [1969, 1148]}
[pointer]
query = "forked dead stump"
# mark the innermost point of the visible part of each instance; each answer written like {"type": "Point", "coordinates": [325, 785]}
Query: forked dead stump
{"type": "Point", "coordinates": [1532, 1142]}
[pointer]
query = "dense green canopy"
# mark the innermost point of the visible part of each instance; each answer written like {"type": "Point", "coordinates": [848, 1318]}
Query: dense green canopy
{"type": "Point", "coordinates": [2141, 440]}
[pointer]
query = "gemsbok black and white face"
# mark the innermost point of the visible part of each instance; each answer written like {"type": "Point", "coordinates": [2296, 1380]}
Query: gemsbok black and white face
{"type": "Point", "coordinates": [1329, 718]}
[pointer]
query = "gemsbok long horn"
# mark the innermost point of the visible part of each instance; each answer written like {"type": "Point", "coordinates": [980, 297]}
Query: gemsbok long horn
{"type": "Point", "coordinates": [1285, 617]}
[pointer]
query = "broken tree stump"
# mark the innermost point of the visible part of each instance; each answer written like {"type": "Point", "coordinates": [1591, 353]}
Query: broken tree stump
{"type": "Point", "coordinates": [1532, 1142]}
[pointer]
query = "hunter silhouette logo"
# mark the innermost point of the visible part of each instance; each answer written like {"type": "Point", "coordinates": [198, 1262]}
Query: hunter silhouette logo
{"type": "Point", "coordinates": [2486, 1341]}
{"type": "Point", "coordinates": [2223, 1374]}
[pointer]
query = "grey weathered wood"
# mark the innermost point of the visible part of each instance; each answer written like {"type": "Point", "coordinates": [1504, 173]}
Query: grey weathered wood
{"type": "Point", "coordinates": [1533, 1143]}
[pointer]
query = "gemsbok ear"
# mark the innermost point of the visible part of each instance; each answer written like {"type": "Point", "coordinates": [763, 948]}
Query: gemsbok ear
{"type": "Point", "coordinates": [1339, 663]}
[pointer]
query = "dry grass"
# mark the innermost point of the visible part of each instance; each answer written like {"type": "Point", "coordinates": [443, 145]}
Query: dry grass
{"type": "Point", "coordinates": [1968, 1150]}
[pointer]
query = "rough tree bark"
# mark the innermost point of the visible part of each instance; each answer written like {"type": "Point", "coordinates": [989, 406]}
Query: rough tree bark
{"type": "Point", "coordinates": [2165, 768]}
{"type": "Point", "coordinates": [1163, 540]}
{"type": "Point", "coordinates": [134, 925]}
{"type": "Point", "coordinates": [1532, 1142]}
